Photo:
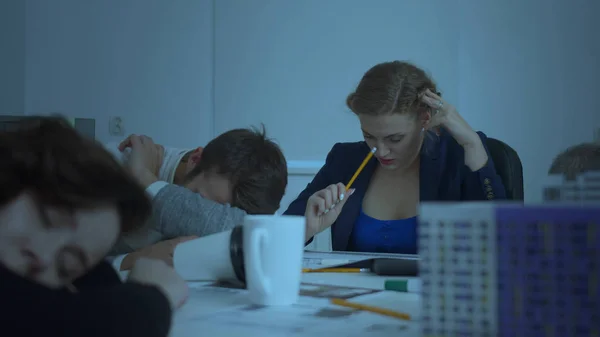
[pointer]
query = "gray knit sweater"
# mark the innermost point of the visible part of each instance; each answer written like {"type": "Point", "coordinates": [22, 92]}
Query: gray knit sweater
{"type": "Point", "coordinates": [178, 211]}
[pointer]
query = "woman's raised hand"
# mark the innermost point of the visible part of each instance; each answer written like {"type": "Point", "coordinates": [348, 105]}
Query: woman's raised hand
{"type": "Point", "coordinates": [445, 115]}
{"type": "Point", "coordinates": [324, 207]}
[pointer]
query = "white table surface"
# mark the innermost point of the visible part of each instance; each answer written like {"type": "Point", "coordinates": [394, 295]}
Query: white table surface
{"type": "Point", "coordinates": [216, 313]}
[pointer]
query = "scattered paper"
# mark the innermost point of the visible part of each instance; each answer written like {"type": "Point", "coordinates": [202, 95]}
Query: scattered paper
{"type": "Point", "coordinates": [307, 290]}
{"type": "Point", "coordinates": [355, 256]}
{"type": "Point", "coordinates": [315, 260]}
{"type": "Point", "coordinates": [219, 310]}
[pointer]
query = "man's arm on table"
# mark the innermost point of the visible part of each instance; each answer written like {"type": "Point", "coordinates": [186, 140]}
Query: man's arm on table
{"type": "Point", "coordinates": [178, 211]}
{"type": "Point", "coordinates": [181, 212]}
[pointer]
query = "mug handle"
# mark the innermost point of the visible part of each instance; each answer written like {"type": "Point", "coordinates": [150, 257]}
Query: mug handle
{"type": "Point", "coordinates": [258, 239]}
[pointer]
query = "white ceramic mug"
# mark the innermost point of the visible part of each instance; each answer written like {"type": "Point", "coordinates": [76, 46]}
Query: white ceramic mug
{"type": "Point", "coordinates": [273, 250]}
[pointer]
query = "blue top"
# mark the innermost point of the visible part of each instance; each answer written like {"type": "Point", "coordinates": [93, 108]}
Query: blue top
{"type": "Point", "coordinates": [443, 177]}
{"type": "Point", "coordinates": [384, 236]}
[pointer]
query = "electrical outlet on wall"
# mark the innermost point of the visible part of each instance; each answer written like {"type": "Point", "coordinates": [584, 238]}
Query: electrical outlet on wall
{"type": "Point", "coordinates": [115, 126]}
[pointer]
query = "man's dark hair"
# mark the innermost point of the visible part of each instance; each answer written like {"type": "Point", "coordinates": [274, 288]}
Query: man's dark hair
{"type": "Point", "coordinates": [576, 160]}
{"type": "Point", "coordinates": [253, 163]}
{"type": "Point", "coordinates": [46, 157]}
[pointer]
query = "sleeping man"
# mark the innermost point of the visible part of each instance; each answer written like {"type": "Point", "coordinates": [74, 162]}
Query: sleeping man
{"type": "Point", "coordinates": [198, 192]}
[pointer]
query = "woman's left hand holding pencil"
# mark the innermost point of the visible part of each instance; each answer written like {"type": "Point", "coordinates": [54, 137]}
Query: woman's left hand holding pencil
{"type": "Point", "coordinates": [323, 208]}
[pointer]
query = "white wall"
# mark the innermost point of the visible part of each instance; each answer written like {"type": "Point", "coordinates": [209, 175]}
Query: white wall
{"type": "Point", "coordinates": [149, 61]}
{"type": "Point", "coordinates": [524, 72]}
{"type": "Point", "coordinates": [291, 64]}
{"type": "Point", "coordinates": [12, 56]}
{"type": "Point", "coordinates": [529, 75]}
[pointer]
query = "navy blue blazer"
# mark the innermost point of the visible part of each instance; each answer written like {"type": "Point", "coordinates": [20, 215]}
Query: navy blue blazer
{"type": "Point", "coordinates": [443, 177]}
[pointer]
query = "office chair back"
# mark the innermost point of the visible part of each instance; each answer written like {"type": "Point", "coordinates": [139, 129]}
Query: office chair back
{"type": "Point", "coordinates": [509, 168]}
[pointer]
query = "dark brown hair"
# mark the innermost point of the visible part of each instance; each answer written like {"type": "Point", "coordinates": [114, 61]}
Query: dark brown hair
{"type": "Point", "coordinates": [253, 163]}
{"type": "Point", "coordinates": [390, 87]}
{"type": "Point", "coordinates": [576, 160]}
{"type": "Point", "coordinates": [46, 157]}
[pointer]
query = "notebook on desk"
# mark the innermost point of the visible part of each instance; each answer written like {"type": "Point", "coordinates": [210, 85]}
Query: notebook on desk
{"type": "Point", "coordinates": [378, 263]}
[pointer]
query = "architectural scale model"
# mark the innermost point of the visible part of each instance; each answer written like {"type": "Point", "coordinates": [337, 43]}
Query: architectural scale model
{"type": "Point", "coordinates": [509, 270]}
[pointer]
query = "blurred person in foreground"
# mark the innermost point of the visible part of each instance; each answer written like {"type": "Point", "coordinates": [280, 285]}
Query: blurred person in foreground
{"type": "Point", "coordinates": [64, 202]}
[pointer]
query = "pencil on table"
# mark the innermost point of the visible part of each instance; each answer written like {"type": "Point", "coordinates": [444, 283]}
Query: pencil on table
{"type": "Point", "coordinates": [361, 167]}
{"type": "Point", "coordinates": [336, 270]}
{"type": "Point", "coordinates": [381, 311]}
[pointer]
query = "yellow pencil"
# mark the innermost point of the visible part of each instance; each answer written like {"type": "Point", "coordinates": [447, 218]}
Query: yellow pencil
{"type": "Point", "coordinates": [336, 270]}
{"type": "Point", "coordinates": [381, 311]}
{"type": "Point", "coordinates": [361, 167]}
